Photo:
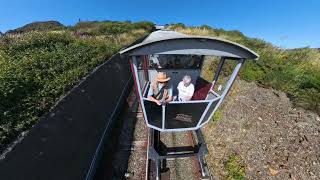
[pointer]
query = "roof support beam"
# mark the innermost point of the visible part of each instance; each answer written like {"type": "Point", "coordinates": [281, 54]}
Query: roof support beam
{"type": "Point", "coordinates": [228, 86]}
{"type": "Point", "coordinates": [217, 74]}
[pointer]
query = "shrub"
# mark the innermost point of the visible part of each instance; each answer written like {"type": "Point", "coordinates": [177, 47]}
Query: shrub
{"type": "Point", "coordinates": [217, 115]}
{"type": "Point", "coordinates": [235, 168]}
{"type": "Point", "coordinates": [95, 28]}
{"type": "Point", "coordinates": [39, 26]}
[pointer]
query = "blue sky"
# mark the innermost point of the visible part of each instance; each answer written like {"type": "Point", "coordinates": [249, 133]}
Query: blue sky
{"type": "Point", "coordinates": [286, 23]}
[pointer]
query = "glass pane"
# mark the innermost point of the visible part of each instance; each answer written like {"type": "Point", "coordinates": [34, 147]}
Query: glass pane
{"type": "Point", "coordinates": [185, 115]}
{"type": "Point", "coordinates": [210, 110]}
{"type": "Point", "coordinates": [141, 73]}
{"type": "Point", "coordinates": [141, 78]}
{"type": "Point", "coordinates": [154, 113]}
{"type": "Point", "coordinates": [163, 61]}
{"type": "Point", "coordinates": [140, 62]}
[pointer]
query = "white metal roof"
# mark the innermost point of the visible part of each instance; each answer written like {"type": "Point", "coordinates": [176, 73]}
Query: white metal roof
{"type": "Point", "coordinates": [162, 35]}
{"type": "Point", "coordinates": [171, 42]}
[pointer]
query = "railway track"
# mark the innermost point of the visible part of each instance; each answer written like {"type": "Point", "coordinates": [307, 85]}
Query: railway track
{"type": "Point", "coordinates": [130, 159]}
{"type": "Point", "coordinates": [140, 166]}
{"type": "Point", "coordinates": [178, 168]}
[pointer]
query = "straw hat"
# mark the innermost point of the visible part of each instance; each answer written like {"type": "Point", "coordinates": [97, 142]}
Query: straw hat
{"type": "Point", "coordinates": [162, 77]}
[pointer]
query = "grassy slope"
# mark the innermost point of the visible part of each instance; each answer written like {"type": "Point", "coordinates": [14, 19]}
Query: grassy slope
{"type": "Point", "coordinates": [296, 72]}
{"type": "Point", "coordinates": [38, 67]}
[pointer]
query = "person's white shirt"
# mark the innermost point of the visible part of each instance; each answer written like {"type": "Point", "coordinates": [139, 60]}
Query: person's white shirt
{"type": "Point", "coordinates": [185, 93]}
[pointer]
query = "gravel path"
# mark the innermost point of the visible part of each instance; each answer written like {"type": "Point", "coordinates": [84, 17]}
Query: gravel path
{"type": "Point", "coordinates": [273, 139]}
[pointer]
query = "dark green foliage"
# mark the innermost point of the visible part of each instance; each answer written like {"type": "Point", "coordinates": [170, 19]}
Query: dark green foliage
{"type": "Point", "coordinates": [217, 116]}
{"type": "Point", "coordinates": [39, 26]}
{"type": "Point", "coordinates": [177, 25]}
{"type": "Point", "coordinates": [235, 168]}
{"type": "Point", "coordinates": [110, 27]}
{"type": "Point", "coordinates": [205, 27]}
{"type": "Point", "coordinates": [296, 72]}
{"type": "Point", "coordinates": [37, 68]}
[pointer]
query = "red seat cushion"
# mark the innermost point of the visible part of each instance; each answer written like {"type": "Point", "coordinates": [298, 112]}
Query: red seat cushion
{"type": "Point", "coordinates": [201, 92]}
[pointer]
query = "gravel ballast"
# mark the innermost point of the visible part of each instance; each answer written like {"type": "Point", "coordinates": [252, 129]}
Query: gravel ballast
{"type": "Point", "coordinates": [273, 139]}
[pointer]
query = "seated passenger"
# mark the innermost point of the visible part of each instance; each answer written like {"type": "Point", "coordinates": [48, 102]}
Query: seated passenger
{"type": "Point", "coordinates": [185, 89]}
{"type": "Point", "coordinates": [160, 91]}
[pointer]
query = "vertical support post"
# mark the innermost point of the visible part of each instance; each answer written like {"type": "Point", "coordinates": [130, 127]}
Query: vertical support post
{"type": "Point", "coordinates": [156, 146]}
{"type": "Point", "coordinates": [146, 67]}
{"type": "Point", "coordinates": [134, 80]}
{"type": "Point", "coordinates": [134, 70]}
{"type": "Point", "coordinates": [163, 116]}
{"type": "Point", "coordinates": [232, 78]}
{"type": "Point", "coordinates": [201, 142]}
{"type": "Point", "coordinates": [215, 79]}
{"type": "Point", "coordinates": [216, 75]}
{"type": "Point", "coordinates": [202, 151]}
{"type": "Point", "coordinates": [153, 146]}
{"type": "Point", "coordinates": [200, 160]}
{"type": "Point", "coordinates": [158, 169]}
{"type": "Point", "coordinates": [229, 84]}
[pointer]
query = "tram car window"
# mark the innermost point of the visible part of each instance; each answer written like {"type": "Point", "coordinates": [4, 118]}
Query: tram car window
{"type": "Point", "coordinates": [176, 67]}
{"type": "Point", "coordinates": [175, 61]}
{"type": "Point", "coordinates": [142, 76]}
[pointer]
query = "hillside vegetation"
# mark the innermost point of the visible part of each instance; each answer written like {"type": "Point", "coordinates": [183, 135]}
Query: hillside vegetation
{"type": "Point", "coordinates": [40, 62]}
{"type": "Point", "coordinates": [293, 71]}
{"type": "Point", "coordinates": [39, 26]}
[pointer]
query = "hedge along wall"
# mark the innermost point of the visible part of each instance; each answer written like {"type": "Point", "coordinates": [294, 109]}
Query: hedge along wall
{"type": "Point", "coordinates": [63, 145]}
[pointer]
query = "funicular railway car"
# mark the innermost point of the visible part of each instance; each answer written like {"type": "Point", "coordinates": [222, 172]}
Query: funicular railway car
{"type": "Point", "coordinates": [177, 55]}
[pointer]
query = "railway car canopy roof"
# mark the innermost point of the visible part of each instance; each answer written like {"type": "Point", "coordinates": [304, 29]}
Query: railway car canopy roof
{"type": "Point", "coordinates": [171, 42]}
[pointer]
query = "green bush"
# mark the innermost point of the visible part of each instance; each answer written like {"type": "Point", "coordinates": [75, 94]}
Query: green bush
{"type": "Point", "coordinates": [110, 27]}
{"type": "Point", "coordinates": [177, 25]}
{"type": "Point", "coordinates": [217, 115]}
{"type": "Point", "coordinates": [39, 26]}
{"type": "Point", "coordinates": [235, 168]}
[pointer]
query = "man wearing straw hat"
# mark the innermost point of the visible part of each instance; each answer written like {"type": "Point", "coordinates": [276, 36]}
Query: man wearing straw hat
{"type": "Point", "coordinates": [160, 91]}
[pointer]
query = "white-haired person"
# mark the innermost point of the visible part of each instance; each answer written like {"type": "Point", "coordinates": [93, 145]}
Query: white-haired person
{"type": "Point", "coordinates": [185, 89]}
